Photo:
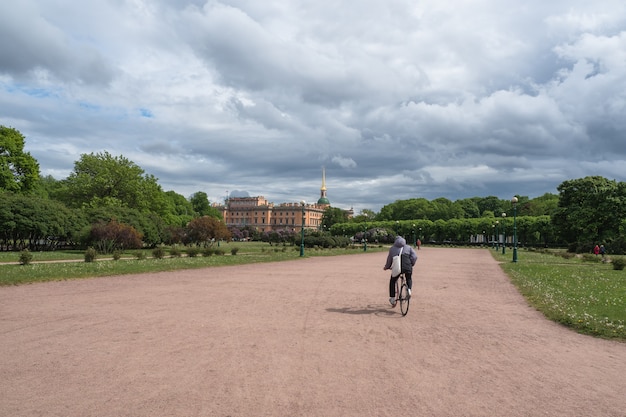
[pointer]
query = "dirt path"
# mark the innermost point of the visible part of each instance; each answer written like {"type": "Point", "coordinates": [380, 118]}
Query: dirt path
{"type": "Point", "coordinates": [311, 337]}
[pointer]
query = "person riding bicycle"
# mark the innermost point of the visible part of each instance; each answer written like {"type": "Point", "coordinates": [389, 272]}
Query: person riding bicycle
{"type": "Point", "coordinates": [408, 259]}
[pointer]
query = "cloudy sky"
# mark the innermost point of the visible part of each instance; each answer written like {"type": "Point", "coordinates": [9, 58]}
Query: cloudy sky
{"type": "Point", "coordinates": [396, 98]}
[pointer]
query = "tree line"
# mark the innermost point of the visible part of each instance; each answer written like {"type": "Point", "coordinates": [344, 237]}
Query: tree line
{"type": "Point", "coordinates": [109, 202]}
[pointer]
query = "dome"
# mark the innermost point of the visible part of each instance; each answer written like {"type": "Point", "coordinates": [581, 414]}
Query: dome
{"type": "Point", "coordinates": [323, 200]}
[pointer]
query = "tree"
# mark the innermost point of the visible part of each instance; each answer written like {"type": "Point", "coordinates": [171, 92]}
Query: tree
{"type": "Point", "coordinates": [104, 180]}
{"type": "Point", "coordinates": [107, 237]}
{"type": "Point", "coordinates": [19, 171]}
{"type": "Point", "coordinates": [205, 230]}
{"type": "Point", "coordinates": [333, 215]}
{"type": "Point", "coordinates": [201, 205]}
{"type": "Point", "coordinates": [590, 210]}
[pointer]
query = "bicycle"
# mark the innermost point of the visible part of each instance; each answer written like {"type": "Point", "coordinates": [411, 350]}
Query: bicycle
{"type": "Point", "coordinates": [402, 294]}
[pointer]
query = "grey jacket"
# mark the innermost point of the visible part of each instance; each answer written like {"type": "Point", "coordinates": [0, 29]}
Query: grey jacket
{"type": "Point", "coordinates": [411, 255]}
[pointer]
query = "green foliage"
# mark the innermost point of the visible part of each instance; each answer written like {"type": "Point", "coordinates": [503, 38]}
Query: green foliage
{"type": "Point", "coordinates": [233, 251]}
{"type": "Point", "coordinates": [193, 251]}
{"type": "Point", "coordinates": [25, 257]}
{"type": "Point", "coordinates": [175, 252]}
{"type": "Point", "coordinates": [590, 210]}
{"type": "Point", "coordinates": [618, 263]}
{"type": "Point", "coordinates": [28, 221]}
{"type": "Point", "coordinates": [117, 255]}
{"type": "Point", "coordinates": [105, 180]}
{"type": "Point", "coordinates": [333, 215]}
{"type": "Point", "coordinates": [208, 251]}
{"type": "Point", "coordinates": [90, 254]}
{"type": "Point", "coordinates": [158, 252]}
{"type": "Point", "coordinates": [19, 171]}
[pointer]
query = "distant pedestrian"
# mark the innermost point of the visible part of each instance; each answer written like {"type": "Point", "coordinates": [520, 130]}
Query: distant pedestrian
{"type": "Point", "coordinates": [602, 251]}
{"type": "Point", "coordinates": [418, 244]}
{"type": "Point", "coordinates": [596, 250]}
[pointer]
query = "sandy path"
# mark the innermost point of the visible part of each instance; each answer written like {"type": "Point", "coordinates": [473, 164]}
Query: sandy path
{"type": "Point", "coordinates": [310, 337]}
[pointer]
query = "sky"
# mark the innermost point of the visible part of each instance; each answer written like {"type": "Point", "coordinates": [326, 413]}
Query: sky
{"type": "Point", "coordinates": [396, 99]}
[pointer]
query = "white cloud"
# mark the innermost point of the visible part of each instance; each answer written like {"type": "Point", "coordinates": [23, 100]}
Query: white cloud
{"type": "Point", "coordinates": [398, 99]}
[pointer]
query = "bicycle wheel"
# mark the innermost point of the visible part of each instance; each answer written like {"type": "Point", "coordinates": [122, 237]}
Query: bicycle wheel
{"type": "Point", "coordinates": [404, 299]}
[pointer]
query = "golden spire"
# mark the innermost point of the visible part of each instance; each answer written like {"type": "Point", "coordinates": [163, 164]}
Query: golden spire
{"type": "Point", "coordinates": [323, 179]}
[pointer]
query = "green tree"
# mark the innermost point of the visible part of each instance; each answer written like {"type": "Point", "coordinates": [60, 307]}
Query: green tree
{"type": "Point", "coordinates": [104, 180]}
{"type": "Point", "coordinates": [19, 171]}
{"type": "Point", "coordinates": [333, 215]}
{"type": "Point", "coordinates": [590, 210]}
{"type": "Point", "coordinates": [202, 206]}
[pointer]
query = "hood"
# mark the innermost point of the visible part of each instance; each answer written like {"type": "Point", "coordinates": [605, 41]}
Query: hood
{"type": "Point", "coordinates": [400, 242]}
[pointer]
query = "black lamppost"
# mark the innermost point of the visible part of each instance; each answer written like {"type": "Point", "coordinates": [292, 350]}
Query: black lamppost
{"type": "Point", "coordinates": [302, 203]}
{"type": "Point", "coordinates": [397, 227]}
{"type": "Point", "coordinates": [514, 201]}
{"type": "Point", "coordinates": [503, 234]}
{"type": "Point", "coordinates": [493, 232]}
{"type": "Point", "coordinates": [414, 238]}
{"type": "Point", "coordinates": [497, 235]}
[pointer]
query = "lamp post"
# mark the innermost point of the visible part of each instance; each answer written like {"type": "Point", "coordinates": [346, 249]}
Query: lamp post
{"type": "Point", "coordinates": [397, 227]}
{"type": "Point", "coordinates": [493, 232]}
{"type": "Point", "coordinates": [497, 235]}
{"type": "Point", "coordinates": [503, 234]}
{"type": "Point", "coordinates": [483, 242]}
{"type": "Point", "coordinates": [302, 203]}
{"type": "Point", "coordinates": [514, 201]}
{"type": "Point", "coordinates": [414, 238]}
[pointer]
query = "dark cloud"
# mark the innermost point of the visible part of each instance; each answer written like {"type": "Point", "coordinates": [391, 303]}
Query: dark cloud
{"type": "Point", "coordinates": [397, 99]}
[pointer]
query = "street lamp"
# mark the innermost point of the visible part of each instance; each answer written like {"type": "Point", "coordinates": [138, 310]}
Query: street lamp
{"type": "Point", "coordinates": [503, 234]}
{"type": "Point", "coordinates": [493, 232]}
{"type": "Point", "coordinates": [497, 235]}
{"type": "Point", "coordinates": [397, 227]}
{"type": "Point", "coordinates": [302, 203]}
{"type": "Point", "coordinates": [514, 201]}
{"type": "Point", "coordinates": [483, 242]}
{"type": "Point", "coordinates": [414, 238]}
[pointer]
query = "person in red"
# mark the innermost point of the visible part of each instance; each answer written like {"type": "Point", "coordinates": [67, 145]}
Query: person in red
{"type": "Point", "coordinates": [409, 257]}
{"type": "Point", "coordinates": [596, 250]}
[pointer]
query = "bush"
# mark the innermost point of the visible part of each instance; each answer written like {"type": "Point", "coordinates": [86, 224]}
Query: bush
{"type": "Point", "coordinates": [208, 252]}
{"type": "Point", "coordinates": [193, 251]}
{"type": "Point", "coordinates": [117, 255]}
{"type": "Point", "coordinates": [25, 257]}
{"type": "Point", "coordinates": [619, 263]}
{"type": "Point", "coordinates": [158, 252]}
{"type": "Point", "coordinates": [219, 251]}
{"type": "Point", "coordinates": [140, 255]}
{"type": "Point", "coordinates": [234, 251]}
{"type": "Point", "coordinates": [90, 254]}
{"type": "Point", "coordinates": [175, 252]}
{"type": "Point", "coordinates": [589, 257]}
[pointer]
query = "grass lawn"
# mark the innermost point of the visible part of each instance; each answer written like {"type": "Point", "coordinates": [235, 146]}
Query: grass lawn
{"type": "Point", "coordinates": [52, 266]}
{"type": "Point", "coordinates": [588, 296]}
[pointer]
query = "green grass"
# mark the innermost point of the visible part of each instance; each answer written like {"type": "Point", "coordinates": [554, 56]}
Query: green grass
{"type": "Point", "coordinates": [43, 269]}
{"type": "Point", "coordinates": [587, 296]}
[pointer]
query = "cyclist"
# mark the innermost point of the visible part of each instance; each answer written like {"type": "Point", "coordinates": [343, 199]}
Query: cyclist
{"type": "Point", "coordinates": [409, 257]}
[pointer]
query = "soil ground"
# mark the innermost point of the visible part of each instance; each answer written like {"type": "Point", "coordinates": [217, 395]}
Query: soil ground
{"type": "Point", "coordinates": [309, 337]}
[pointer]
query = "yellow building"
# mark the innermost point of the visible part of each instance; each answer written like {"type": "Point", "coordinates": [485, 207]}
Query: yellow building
{"type": "Point", "coordinates": [264, 216]}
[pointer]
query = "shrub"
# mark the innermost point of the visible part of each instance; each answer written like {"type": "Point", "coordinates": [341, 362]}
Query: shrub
{"type": "Point", "coordinates": [619, 263]}
{"type": "Point", "coordinates": [207, 252]}
{"type": "Point", "coordinates": [158, 252]}
{"type": "Point", "coordinates": [25, 257]}
{"type": "Point", "coordinates": [234, 251]}
{"type": "Point", "coordinates": [193, 251]}
{"type": "Point", "coordinates": [117, 255]}
{"type": "Point", "coordinates": [589, 257]}
{"type": "Point", "coordinates": [219, 251]}
{"type": "Point", "coordinates": [90, 254]}
{"type": "Point", "coordinates": [140, 255]}
{"type": "Point", "coordinates": [175, 252]}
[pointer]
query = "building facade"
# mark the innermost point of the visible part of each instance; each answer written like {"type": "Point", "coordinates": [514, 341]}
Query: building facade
{"type": "Point", "coordinates": [264, 216]}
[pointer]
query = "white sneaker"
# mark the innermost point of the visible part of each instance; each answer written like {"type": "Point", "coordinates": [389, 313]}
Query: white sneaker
{"type": "Point", "coordinates": [392, 301]}
{"type": "Point", "coordinates": [409, 292]}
